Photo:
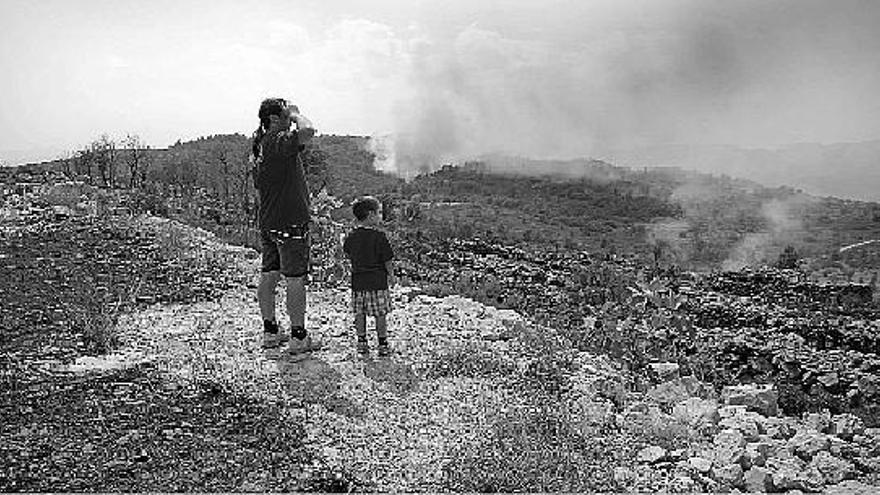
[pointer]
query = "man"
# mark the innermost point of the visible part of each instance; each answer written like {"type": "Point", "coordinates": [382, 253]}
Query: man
{"type": "Point", "coordinates": [284, 219]}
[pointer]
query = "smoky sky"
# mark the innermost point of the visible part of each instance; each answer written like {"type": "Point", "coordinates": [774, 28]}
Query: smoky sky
{"type": "Point", "coordinates": [748, 73]}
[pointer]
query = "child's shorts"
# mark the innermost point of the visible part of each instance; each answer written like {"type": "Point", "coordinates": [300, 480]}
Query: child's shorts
{"type": "Point", "coordinates": [371, 302]}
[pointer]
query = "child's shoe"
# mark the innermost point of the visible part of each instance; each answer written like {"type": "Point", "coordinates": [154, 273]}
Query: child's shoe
{"type": "Point", "coordinates": [384, 349]}
{"type": "Point", "coordinates": [363, 347]}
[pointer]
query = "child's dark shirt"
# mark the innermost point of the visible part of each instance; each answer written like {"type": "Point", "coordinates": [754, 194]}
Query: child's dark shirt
{"type": "Point", "coordinates": [369, 250]}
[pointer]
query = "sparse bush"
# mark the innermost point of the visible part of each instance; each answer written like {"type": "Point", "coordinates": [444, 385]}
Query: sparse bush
{"type": "Point", "coordinates": [531, 449]}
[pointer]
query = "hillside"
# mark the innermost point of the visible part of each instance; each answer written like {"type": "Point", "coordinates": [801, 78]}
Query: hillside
{"type": "Point", "coordinates": [667, 216]}
{"type": "Point", "coordinates": [845, 170]}
{"type": "Point", "coordinates": [599, 380]}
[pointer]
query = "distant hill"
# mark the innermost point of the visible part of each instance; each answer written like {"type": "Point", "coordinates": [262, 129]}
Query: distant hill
{"type": "Point", "coordinates": [844, 170]}
{"type": "Point", "coordinates": [681, 216]}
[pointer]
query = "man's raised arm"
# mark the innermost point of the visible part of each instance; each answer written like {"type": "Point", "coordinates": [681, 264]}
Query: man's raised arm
{"type": "Point", "coordinates": [304, 128]}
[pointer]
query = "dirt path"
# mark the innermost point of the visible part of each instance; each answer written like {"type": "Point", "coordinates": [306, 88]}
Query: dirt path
{"type": "Point", "coordinates": [390, 422]}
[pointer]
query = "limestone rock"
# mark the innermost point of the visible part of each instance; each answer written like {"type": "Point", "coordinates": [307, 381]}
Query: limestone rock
{"type": "Point", "coordinates": [788, 476]}
{"type": "Point", "coordinates": [696, 412]}
{"type": "Point", "coordinates": [676, 455]}
{"type": "Point", "coordinates": [761, 399]}
{"type": "Point", "coordinates": [677, 390]}
{"type": "Point", "coordinates": [623, 475]}
{"type": "Point", "coordinates": [758, 479]}
{"type": "Point", "coordinates": [665, 371]}
{"type": "Point", "coordinates": [850, 487]}
{"type": "Point", "coordinates": [744, 423]}
{"type": "Point", "coordinates": [700, 464]}
{"type": "Point", "coordinates": [756, 453]}
{"type": "Point", "coordinates": [651, 455]}
{"type": "Point", "coordinates": [780, 450]}
{"type": "Point", "coordinates": [779, 428]}
{"type": "Point", "coordinates": [829, 380]}
{"type": "Point", "coordinates": [820, 421]}
{"type": "Point", "coordinates": [731, 475]}
{"type": "Point", "coordinates": [841, 448]}
{"type": "Point", "coordinates": [729, 448]}
{"type": "Point", "coordinates": [807, 444]}
{"type": "Point", "coordinates": [833, 470]}
{"type": "Point", "coordinates": [731, 411]}
{"type": "Point", "coordinates": [846, 426]}
{"type": "Point", "coordinates": [683, 484]}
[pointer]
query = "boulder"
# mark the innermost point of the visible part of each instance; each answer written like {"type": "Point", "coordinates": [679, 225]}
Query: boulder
{"type": "Point", "coordinates": [730, 475]}
{"type": "Point", "coordinates": [780, 450]}
{"type": "Point", "coordinates": [731, 411]}
{"type": "Point", "coordinates": [759, 398]}
{"type": "Point", "coordinates": [833, 470]}
{"type": "Point", "coordinates": [623, 476]}
{"type": "Point", "coordinates": [677, 390]}
{"type": "Point", "coordinates": [829, 380]}
{"type": "Point", "coordinates": [700, 464]}
{"type": "Point", "coordinates": [758, 479]}
{"type": "Point", "coordinates": [651, 455]}
{"type": "Point", "coordinates": [846, 426]}
{"type": "Point", "coordinates": [744, 423]}
{"type": "Point", "coordinates": [820, 421]}
{"type": "Point", "coordinates": [756, 454]}
{"type": "Point", "coordinates": [729, 448]}
{"type": "Point", "coordinates": [788, 475]}
{"type": "Point", "coordinates": [807, 444]}
{"type": "Point", "coordinates": [682, 483]}
{"type": "Point", "coordinates": [696, 412]}
{"type": "Point", "coordinates": [841, 448]}
{"type": "Point", "coordinates": [676, 455]}
{"type": "Point", "coordinates": [779, 428]}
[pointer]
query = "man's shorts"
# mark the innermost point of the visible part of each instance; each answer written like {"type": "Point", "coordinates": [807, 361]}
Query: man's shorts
{"type": "Point", "coordinates": [286, 251]}
{"type": "Point", "coordinates": [371, 302]}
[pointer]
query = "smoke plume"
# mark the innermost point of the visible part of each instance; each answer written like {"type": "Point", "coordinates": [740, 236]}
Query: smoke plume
{"type": "Point", "coordinates": [747, 73]}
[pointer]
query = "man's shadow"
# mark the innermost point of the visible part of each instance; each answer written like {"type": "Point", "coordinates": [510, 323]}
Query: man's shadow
{"type": "Point", "coordinates": [311, 380]}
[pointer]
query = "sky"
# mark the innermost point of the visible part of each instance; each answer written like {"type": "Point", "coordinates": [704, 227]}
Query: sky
{"type": "Point", "coordinates": [442, 80]}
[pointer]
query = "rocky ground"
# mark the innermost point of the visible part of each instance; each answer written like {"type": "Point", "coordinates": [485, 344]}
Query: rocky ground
{"type": "Point", "coordinates": [474, 398]}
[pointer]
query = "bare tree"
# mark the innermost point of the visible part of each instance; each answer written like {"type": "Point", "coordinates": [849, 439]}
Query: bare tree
{"type": "Point", "coordinates": [136, 158]}
{"type": "Point", "coordinates": [83, 161]}
{"type": "Point", "coordinates": [104, 149]}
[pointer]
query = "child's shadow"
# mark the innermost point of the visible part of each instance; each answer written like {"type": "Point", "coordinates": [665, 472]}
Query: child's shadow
{"type": "Point", "coordinates": [400, 377]}
{"type": "Point", "coordinates": [313, 381]}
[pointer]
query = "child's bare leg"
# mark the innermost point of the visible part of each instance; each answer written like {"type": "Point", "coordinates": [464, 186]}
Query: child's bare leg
{"type": "Point", "coordinates": [360, 326]}
{"type": "Point", "coordinates": [381, 329]}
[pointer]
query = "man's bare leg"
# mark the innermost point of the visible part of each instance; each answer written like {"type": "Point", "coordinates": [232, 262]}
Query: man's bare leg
{"type": "Point", "coordinates": [266, 294]}
{"type": "Point", "coordinates": [296, 301]}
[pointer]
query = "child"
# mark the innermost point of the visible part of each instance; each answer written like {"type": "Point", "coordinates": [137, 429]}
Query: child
{"type": "Point", "coordinates": [372, 272]}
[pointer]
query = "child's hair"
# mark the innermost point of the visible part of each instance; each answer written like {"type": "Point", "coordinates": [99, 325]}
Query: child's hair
{"type": "Point", "coordinates": [363, 206]}
{"type": "Point", "coordinates": [269, 106]}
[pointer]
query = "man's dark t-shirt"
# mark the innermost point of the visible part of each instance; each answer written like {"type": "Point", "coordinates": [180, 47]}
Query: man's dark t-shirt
{"type": "Point", "coordinates": [369, 250]}
{"type": "Point", "coordinates": [281, 180]}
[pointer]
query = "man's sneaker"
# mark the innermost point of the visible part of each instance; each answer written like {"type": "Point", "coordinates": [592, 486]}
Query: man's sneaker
{"type": "Point", "coordinates": [384, 349]}
{"type": "Point", "coordinates": [303, 346]}
{"type": "Point", "coordinates": [363, 347]}
{"type": "Point", "coordinates": [272, 340]}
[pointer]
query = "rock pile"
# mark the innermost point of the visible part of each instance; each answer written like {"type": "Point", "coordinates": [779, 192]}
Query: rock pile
{"type": "Point", "coordinates": [748, 446]}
